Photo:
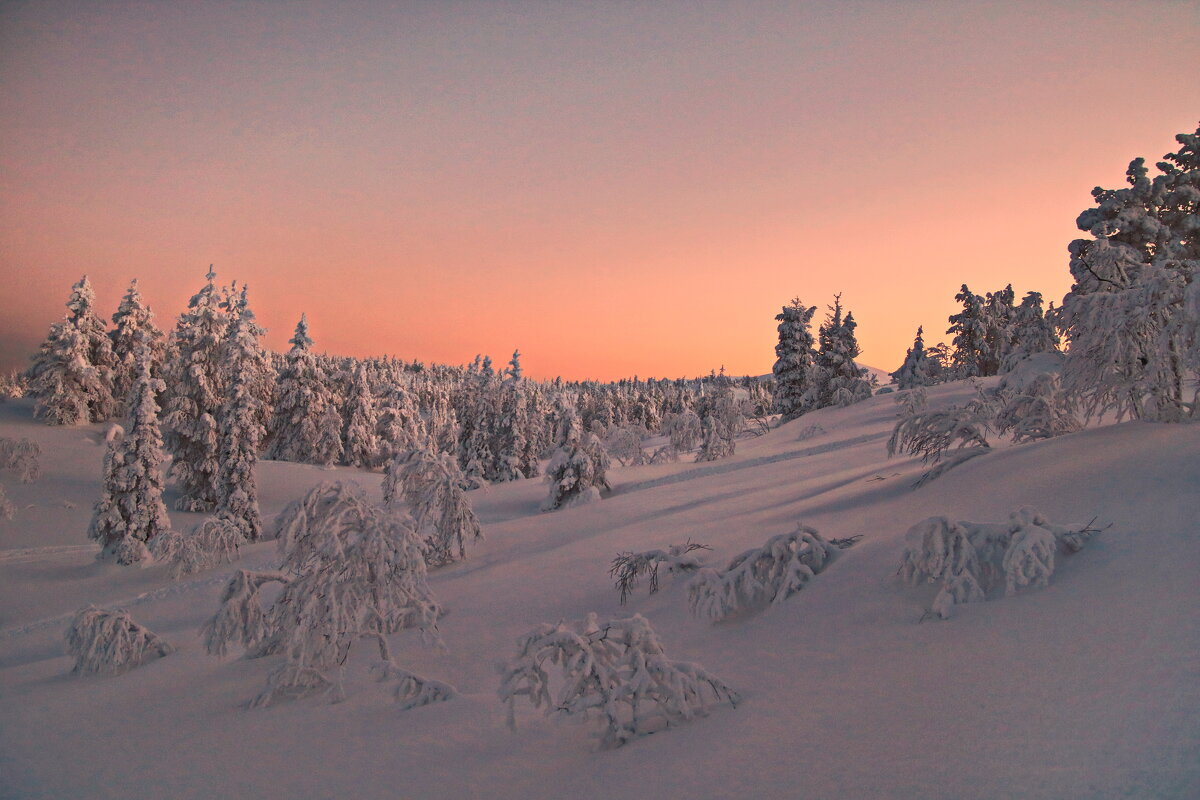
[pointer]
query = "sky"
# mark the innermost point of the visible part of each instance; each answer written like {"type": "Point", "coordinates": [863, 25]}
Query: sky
{"type": "Point", "coordinates": [614, 188]}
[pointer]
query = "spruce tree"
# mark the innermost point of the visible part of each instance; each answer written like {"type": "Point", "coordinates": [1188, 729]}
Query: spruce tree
{"type": "Point", "coordinates": [71, 379]}
{"type": "Point", "coordinates": [360, 446]}
{"type": "Point", "coordinates": [197, 383]}
{"type": "Point", "coordinates": [794, 365]}
{"type": "Point", "coordinates": [133, 328]}
{"type": "Point", "coordinates": [915, 371]}
{"type": "Point", "coordinates": [130, 511]}
{"type": "Point", "coordinates": [302, 406]}
{"type": "Point", "coordinates": [240, 427]}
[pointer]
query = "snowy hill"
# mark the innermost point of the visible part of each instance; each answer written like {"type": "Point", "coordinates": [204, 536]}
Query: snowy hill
{"type": "Point", "coordinates": [1088, 688]}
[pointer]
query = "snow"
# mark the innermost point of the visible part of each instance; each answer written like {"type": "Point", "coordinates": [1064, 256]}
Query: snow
{"type": "Point", "coordinates": [1086, 688]}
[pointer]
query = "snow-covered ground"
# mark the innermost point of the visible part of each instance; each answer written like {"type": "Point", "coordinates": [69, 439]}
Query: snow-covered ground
{"type": "Point", "coordinates": [1089, 688]}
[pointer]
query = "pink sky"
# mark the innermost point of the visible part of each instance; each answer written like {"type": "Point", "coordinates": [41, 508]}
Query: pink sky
{"type": "Point", "coordinates": [614, 188]}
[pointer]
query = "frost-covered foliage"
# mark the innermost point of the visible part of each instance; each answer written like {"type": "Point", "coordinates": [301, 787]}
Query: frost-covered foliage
{"type": "Point", "coordinates": [724, 420]}
{"type": "Point", "coordinates": [971, 559]}
{"type": "Point", "coordinates": [1036, 409]}
{"type": "Point", "coordinates": [929, 434]}
{"type": "Point", "coordinates": [23, 457]}
{"type": "Point", "coordinates": [350, 570]}
{"type": "Point", "coordinates": [213, 542]}
{"type": "Point", "coordinates": [130, 512]}
{"type": "Point", "coordinates": [71, 378]}
{"type": "Point", "coordinates": [360, 445]}
{"type": "Point", "coordinates": [763, 575]}
{"type": "Point", "coordinates": [795, 357]}
{"type": "Point", "coordinates": [624, 443]}
{"type": "Point", "coordinates": [629, 568]}
{"type": "Point", "coordinates": [837, 380]}
{"type": "Point", "coordinates": [917, 369]}
{"type": "Point", "coordinates": [133, 328]}
{"type": "Point", "coordinates": [683, 429]}
{"type": "Point", "coordinates": [240, 426]}
{"type": "Point", "coordinates": [1132, 317]}
{"type": "Point", "coordinates": [108, 642]}
{"type": "Point", "coordinates": [431, 485]}
{"type": "Point", "coordinates": [300, 429]}
{"type": "Point", "coordinates": [197, 384]}
{"type": "Point", "coordinates": [578, 469]}
{"type": "Point", "coordinates": [617, 670]}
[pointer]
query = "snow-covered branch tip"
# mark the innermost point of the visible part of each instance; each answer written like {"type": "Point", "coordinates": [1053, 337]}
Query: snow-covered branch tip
{"type": "Point", "coordinates": [972, 559]}
{"type": "Point", "coordinates": [763, 575]}
{"type": "Point", "coordinates": [108, 642]}
{"type": "Point", "coordinates": [627, 569]}
{"type": "Point", "coordinates": [618, 671]}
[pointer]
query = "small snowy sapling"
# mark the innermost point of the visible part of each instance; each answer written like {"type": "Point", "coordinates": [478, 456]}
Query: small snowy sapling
{"type": "Point", "coordinates": [110, 642]}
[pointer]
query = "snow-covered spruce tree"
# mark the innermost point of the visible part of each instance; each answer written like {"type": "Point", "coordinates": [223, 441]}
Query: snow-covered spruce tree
{"type": "Point", "coordinates": [837, 380]}
{"type": "Point", "coordinates": [360, 447]}
{"type": "Point", "coordinates": [133, 328]}
{"type": "Point", "coordinates": [1132, 317]}
{"type": "Point", "coordinates": [578, 469]}
{"type": "Point", "coordinates": [108, 642]}
{"type": "Point", "coordinates": [431, 485]}
{"type": "Point", "coordinates": [970, 559]}
{"type": "Point", "coordinates": [22, 456]}
{"type": "Point", "coordinates": [915, 371]}
{"type": "Point", "coordinates": [302, 400]}
{"type": "Point", "coordinates": [196, 381]}
{"type": "Point", "coordinates": [762, 575]}
{"type": "Point", "coordinates": [247, 356]}
{"type": "Point", "coordinates": [794, 365]}
{"type": "Point", "coordinates": [1032, 332]}
{"type": "Point", "coordinates": [350, 570]}
{"type": "Point", "coordinates": [627, 569]}
{"type": "Point", "coordinates": [400, 427]}
{"type": "Point", "coordinates": [240, 428]}
{"type": "Point", "coordinates": [724, 420]}
{"type": "Point", "coordinates": [71, 378]}
{"type": "Point", "coordinates": [978, 331]}
{"type": "Point", "coordinates": [618, 669]}
{"type": "Point", "coordinates": [130, 511]}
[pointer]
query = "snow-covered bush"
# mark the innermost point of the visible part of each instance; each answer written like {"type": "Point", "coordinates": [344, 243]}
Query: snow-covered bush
{"type": "Point", "coordinates": [624, 443]}
{"type": "Point", "coordinates": [768, 574]}
{"type": "Point", "coordinates": [211, 543]}
{"type": "Point", "coordinates": [431, 484]}
{"type": "Point", "coordinates": [351, 570]}
{"type": "Point", "coordinates": [23, 457]}
{"type": "Point", "coordinates": [970, 559]}
{"type": "Point", "coordinates": [619, 670]}
{"type": "Point", "coordinates": [1038, 409]}
{"type": "Point", "coordinates": [110, 642]}
{"type": "Point", "coordinates": [929, 434]}
{"type": "Point", "coordinates": [629, 568]}
{"type": "Point", "coordinates": [578, 469]}
{"type": "Point", "coordinates": [683, 429]}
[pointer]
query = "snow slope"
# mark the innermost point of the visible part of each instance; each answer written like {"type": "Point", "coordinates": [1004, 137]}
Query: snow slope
{"type": "Point", "coordinates": [1089, 688]}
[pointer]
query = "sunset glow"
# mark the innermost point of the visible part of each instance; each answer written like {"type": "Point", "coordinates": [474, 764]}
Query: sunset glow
{"type": "Point", "coordinates": [613, 188]}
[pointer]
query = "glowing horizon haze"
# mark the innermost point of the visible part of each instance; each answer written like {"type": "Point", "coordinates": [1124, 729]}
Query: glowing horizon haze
{"type": "Point", "coordinates": [613, 188]}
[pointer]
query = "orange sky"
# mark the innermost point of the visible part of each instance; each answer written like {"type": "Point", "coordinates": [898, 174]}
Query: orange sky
{"type": "Point", "coordinates": [614, 188]}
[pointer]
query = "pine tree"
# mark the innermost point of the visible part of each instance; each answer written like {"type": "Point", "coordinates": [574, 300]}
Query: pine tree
{"type": "Point", "coordinates": [837, 379]}
{"type": "Point", "coordinates": [794, 365]}
{"type": "Point", "coordinates": [197, 383]}
{"type": "Point", "coordinates": [133, 328]}
{"type": "Point", "coordinates": [302, 405]}
{"type": "Point", "coordinates": [130, 511]}
{"type": "Point", "coordinates": [240, 427]}
{"type": "Point", "coordinates": [71, 379]}
{"type": "Point", "coordinates": [1032, 332]}
{"type": "Point", "coordinates": [915, 371]}
{"type": "Point", "coordinates": [969, 331]}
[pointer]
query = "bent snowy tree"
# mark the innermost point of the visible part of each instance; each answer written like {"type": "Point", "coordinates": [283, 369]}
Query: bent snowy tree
{"type": "Point", "coordinates": [618, 669]}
